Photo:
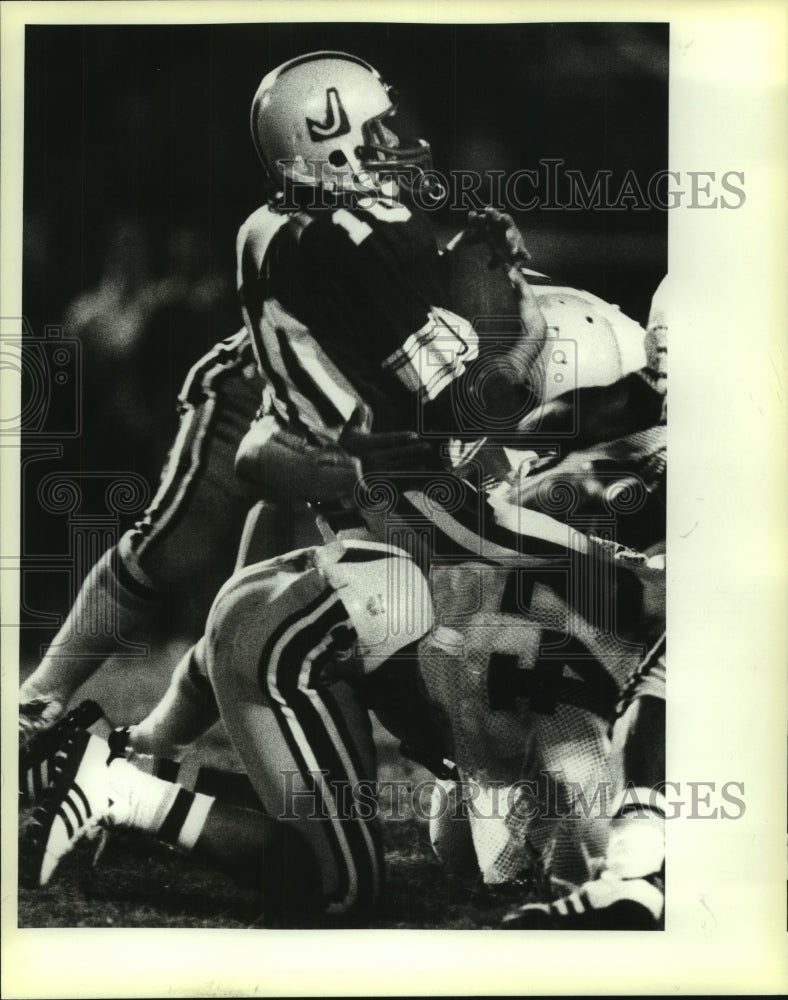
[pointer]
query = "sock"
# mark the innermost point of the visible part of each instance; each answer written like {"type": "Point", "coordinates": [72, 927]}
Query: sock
{"type": "Point", "coordinates": [636, 847]}
{"type": "Point", "coordinates": [187, 709]}
{"type": "Point", "coordinates": [232, 787]}
{"type": "Point", "coordinates": [159, 807]}
{"type": "Point", "coordinates": [111, 608]}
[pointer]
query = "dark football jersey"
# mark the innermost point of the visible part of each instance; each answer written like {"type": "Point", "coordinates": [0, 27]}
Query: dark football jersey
{"type": "Point", "coordinates": [346, 308]}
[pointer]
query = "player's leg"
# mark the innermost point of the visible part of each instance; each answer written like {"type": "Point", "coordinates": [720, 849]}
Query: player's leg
{"type": "Point", "coordinates": [303, 736]}
{"type": "Point", "coordinates": [186, 710]}
{"type": "Point", "coordinates": [254, 849]}
{"type": "Point", "coordinates": [282, 662]}
{"type": "Point", "coordinates": [189, 537]}
{"type": "Point", "coordinates": [629, 893]}
{"type": "Point", "coordinates": [189, 707]}
{"type": "Point", "coordinates": [152, 747]}
{"type": "Point", "coordinates": [91, 791]}
{"type": "Point", "coordinates": [636, 848]}
{"type": "Point", "coordinates": [111, 606]}
{"type": "Point", "coordinates": [186, 543]}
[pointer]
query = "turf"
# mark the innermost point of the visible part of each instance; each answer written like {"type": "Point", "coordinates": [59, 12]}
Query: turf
{"type": "Point", "coordinates": [140, 883]}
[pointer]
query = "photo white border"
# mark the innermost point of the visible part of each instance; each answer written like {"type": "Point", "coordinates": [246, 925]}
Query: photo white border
{"type": "Point", "coordinates": [727, 599]}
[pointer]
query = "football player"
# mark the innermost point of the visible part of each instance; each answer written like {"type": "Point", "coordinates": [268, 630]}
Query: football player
{"type": "Point", "coordinates": [290, 686]}
{"type": "Point", "coordinates": [342, 289]}
{"type": "Point", "coordinates": [125, 590]}
{"type": "Point", "coordinates": [628, 893]}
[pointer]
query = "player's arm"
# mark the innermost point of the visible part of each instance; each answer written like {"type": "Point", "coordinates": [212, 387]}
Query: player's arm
{"type": "Point", "coordinates": [506, 387]}
{"type": "Point", "coordinates": [597, 413]}
{"type": "Point", "coordinates": [506, 242]}
{"type": "Point", "coordinates": [511, 383]}
{"type": "Point", "coordinates": [286, 466]}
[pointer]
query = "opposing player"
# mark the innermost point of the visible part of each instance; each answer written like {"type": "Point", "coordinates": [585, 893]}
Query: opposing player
{"type": "Point", "coordinates": [628, 893]}
{"type": "Point", "coordinates": [295, 696]}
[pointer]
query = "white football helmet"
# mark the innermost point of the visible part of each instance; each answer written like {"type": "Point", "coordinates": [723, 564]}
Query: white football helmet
{"type": "Point", "coordinates": [388, 600]}
{"type": "Point", "coordinates": [319, 119]}
{"type": "Point", "coordinates": [589, 342]}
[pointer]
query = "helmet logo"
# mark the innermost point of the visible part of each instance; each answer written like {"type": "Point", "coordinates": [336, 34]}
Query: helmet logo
{"type": "Point", "coordinates": [376, 605]}
{"type": "Point", "coordinates": [336, 122]}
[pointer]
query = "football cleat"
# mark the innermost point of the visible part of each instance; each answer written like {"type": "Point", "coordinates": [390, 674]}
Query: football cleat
{"type": "Point", "coordinates": [607, 903]}
{"type": "Point", "coordinates": [36, 756]}
{"type": "Point", "coordinates": [78, 804]}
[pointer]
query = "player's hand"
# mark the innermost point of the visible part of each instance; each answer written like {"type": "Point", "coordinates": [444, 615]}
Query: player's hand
{"type": "Point", "coordinates": [388, 451]}
{"type": "Point", "coordinates": [37, 714]}
{"type": "Point", "coordinates": [499, 231]}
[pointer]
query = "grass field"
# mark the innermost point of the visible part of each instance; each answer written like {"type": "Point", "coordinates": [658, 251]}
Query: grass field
{"type": "Point", "coordinates": [140, 883]}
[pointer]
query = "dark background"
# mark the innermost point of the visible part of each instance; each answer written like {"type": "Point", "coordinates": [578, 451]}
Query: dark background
{"type": "Point", "coordinates": [139, 169]}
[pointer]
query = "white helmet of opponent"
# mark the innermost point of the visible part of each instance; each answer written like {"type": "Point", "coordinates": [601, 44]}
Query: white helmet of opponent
{"type": "Point", "coordinates": [589, 342]}
{"type": "Point", "coordinates": [388, 600]}
{"type": "Point", "coordinates": [319, 119]}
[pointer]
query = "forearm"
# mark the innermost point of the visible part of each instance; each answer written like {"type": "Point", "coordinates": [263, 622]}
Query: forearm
{"type": "Point", "coordinates": [285, 466]}
{"type": "Point", "coordinates": [504, 384]}
{"type": "Point", "coordinates": [597, 413]}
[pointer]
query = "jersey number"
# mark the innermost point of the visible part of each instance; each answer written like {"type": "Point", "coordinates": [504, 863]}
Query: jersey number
{"type": "Point", "coordinates": [575, 678]}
